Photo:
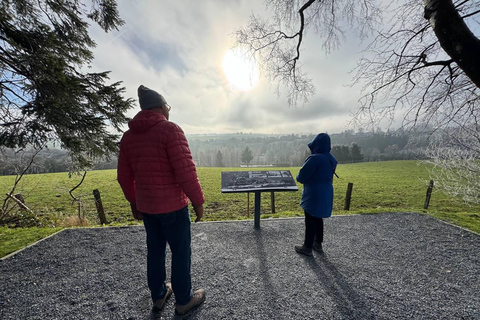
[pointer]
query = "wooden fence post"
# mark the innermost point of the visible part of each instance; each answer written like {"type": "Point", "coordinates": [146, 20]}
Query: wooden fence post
{"type": "Point", "coordinates": [272, 197]}
{"type": "Point", "coordinates": [348, 197]}
{"type": "Point", "coordinates": [99, 205]}
{"type": "Point", "coordinates": [429, 195]}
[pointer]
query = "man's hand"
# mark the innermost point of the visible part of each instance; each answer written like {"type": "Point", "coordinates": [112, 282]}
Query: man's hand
{"type": "Point", "coordinates": [198, 212]}
{"type": "Point", "coordinates": [136, 214]}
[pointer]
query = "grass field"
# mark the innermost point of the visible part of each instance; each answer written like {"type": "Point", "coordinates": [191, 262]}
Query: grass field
{"type": "Point", "coordinates": [392, 186]}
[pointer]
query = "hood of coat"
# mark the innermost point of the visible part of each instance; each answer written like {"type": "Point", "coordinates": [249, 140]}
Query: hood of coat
{"type": "Point", "coordinates": [320, 144]}
{"type": "Point", "coordinates": [145, 119]}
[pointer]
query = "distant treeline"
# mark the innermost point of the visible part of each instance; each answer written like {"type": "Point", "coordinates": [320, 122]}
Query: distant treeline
{"type": "Point", "coordinates": [383, 146]}
{"type": "Point", "coordinates": [46, 161]}
{"type": "Point", "coordinates": [291, 150]}
{"type": "Point", "coordinates": [229, 150]}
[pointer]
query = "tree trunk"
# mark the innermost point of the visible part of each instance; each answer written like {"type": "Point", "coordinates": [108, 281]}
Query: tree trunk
{"type": "Point", "coordinates": [455, 37]}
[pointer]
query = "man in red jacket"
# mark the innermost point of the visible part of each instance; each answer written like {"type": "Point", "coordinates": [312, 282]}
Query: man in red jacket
{"type": "Point", "coordinates": [158, 177]}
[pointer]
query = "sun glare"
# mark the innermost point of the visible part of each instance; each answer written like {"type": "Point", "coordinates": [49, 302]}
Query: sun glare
{"type": "Point", "coordinates": [241, 69]}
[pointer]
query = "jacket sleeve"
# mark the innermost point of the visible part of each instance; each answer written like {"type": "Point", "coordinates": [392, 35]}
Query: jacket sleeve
{"type": "Point", "coordinates": [183, 166]}
{"type": "Point", "coordinates": [306, 170]}
{"type": "Point", "coordinates": [125, 176]}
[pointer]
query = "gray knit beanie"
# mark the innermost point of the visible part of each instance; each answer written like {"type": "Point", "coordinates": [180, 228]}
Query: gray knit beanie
{"type": "Point", "coordinates": [149, 98]}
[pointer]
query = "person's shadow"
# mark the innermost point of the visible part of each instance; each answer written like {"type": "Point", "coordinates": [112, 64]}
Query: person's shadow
{"type": "Point", "coordinates": [270, 292]}
{"type": "Point", "coordinates": [349, 303]}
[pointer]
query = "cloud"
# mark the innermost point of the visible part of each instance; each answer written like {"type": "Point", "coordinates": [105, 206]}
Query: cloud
{"type": "Point", "coordinates": [177, 47]}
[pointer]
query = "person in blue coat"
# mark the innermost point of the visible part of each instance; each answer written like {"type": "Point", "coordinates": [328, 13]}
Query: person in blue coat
{"type": "Point", "coordinates": [316, 175]}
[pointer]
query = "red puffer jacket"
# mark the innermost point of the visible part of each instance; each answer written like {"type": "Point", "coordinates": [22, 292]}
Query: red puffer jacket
{"type": "Point", "coordinates": [155, 166]}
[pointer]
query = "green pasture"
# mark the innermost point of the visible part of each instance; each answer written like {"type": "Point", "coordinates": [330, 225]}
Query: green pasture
{"type": "Point", "coordinates": [392, 186]}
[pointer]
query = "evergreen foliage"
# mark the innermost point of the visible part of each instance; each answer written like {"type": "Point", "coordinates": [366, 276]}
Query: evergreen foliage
{"type": "Point", "coordinates": [347, 154]}
{"type": "Point", "coordinates": [219, 159]}
{"type": "Point", "coordinates": [247, 156]}
{"type": "Point", "coordinates": [356, 153]}
{"type": "Point", "coordinates": [45, 93]}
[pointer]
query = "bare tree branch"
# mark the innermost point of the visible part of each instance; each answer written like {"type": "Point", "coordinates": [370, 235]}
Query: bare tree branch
{"type": "Point", "coordinates": [470, 14]}
{"type": "Point", "coordinates": [279, 51]}
{"type": "Point", "coordinates": [7, 209]}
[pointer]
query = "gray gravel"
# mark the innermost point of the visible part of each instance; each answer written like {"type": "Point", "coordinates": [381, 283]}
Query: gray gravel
{"type": "Point", "coordinates": [382, 266]}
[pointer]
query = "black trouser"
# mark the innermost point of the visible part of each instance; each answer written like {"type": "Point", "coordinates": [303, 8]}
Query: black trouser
{"type": "Point", "coordinates": [313, 230]}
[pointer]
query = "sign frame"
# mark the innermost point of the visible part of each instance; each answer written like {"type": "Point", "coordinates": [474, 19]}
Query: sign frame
{"type": "Point", "coordinates": [257, 182]}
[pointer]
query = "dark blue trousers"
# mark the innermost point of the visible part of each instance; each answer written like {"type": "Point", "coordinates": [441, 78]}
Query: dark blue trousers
{"type": "Point", "coordinates": [172, 228]}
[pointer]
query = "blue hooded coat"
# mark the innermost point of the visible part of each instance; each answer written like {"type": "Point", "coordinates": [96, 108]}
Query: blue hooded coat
{"type": "Point", "coordinates": [316, 175]}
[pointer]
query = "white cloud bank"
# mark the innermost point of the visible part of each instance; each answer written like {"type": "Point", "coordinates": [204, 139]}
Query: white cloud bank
{"type": "Point", "coordinates": [177, 48]}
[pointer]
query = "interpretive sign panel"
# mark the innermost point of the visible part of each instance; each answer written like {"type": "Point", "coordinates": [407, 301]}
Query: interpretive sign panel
{"type": "Point", "coordinates": [254, 181]}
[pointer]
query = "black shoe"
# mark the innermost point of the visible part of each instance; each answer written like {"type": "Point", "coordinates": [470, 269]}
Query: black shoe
{"type": "Point", "coordinates": [317, 246]}
{"type": "Point", "coordinates": [304, 250]}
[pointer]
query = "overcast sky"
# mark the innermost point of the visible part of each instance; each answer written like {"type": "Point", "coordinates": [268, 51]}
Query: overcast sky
{"type": "Point", "coordinates": [177, 48]}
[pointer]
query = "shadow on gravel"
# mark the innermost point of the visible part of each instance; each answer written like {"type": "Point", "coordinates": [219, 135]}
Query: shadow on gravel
{"type": "Point", "coordinates": [381, 266]}
{"type": "Point", "coordinates": [266, 277]}
{"type": "Point", "coordinates": [349, 303]}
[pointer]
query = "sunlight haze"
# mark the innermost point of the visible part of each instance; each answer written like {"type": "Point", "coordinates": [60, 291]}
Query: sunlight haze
{"type": "Point", "coordinates": [241, 71]}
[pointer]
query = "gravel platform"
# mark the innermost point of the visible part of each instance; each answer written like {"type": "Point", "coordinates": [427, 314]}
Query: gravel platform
{"type": "Point", "coordinates": [379, 266]}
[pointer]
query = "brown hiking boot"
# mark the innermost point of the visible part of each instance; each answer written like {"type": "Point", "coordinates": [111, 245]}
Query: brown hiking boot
{"type": "Point", "coordinates": [197, 299]}
{"type": "Point", "coordinates": [304, 250]}
{"type": "Point", "coordinates": [161, 302]}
